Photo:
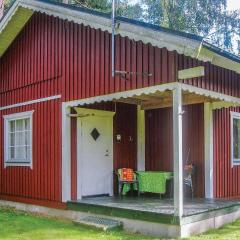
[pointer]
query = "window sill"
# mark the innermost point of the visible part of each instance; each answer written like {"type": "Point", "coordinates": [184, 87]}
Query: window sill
{"type": "Point", "coordinates": [235, 163]}
{"type": "Point", "coordinates": [14, 164]}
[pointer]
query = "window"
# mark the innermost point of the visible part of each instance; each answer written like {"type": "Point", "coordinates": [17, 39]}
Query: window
{"type": "Point", "coordinates": [18, 139]}
{"type": "Point", "coordinates": [235, 138]}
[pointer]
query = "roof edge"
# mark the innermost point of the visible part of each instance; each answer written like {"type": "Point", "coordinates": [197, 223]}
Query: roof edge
{"type": "Point", "coordinates": [182, 42]}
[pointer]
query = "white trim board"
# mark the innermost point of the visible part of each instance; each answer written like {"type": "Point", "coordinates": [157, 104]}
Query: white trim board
{"type": "Point", "coordinates": [191, 72]}
{"type": "Point", "coordinates": [208, 149]}
{"type": "Point", "coordinates": [234, 161]}
{"type": "Point", "coordinates": [177, 152]}
{"type": "Point", "coordinates": [30, 102]}
{"type": "Point", "coordinates": [222, 100]}
{"type": "Point", "coordinates": [66, 154]}
{"type": "Point", "coordinates": [140, 139]}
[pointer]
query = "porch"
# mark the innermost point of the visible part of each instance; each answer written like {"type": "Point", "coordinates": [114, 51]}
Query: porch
{"type": "Point", "coordinates": [156, 217]}
{"type": "Point", "coordinates": [155, 209]}
{"type": "Point", "coordinates": [172, 101]}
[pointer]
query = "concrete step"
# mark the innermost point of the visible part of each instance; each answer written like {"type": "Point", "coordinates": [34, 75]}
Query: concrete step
{"type": "Point", "coordinates": [105, 224]}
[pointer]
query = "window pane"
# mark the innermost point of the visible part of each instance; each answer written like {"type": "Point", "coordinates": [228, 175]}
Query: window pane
{"type": "Point", "coordinates": [20, 154]}
{"type": "Point", "coordinates": [12, 126]}
{"type": "Point", "coordinates": [20, 124]}
{"type": "Point", "coordinates": [11, 139]}
{"type": "Point", "coordinates": [27, 138]}
{"type": "Point", "coordinates": [27, 124]}
{"type": "Point", "coordinates": [11, 153]}
{"type": "Point", "coordinates": [28, 153]}
{"type": "Point", "coordinates": [236, 138]}
{"type": "Point", "coordinates": [20, 138]}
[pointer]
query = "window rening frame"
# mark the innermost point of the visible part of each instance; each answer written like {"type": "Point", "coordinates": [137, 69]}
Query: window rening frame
{"type": "Point", "coordinates": [235, 119]}
{"type": "Point", "coordinates": [27, 133]}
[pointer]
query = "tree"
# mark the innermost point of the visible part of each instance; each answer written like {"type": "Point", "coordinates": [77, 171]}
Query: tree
{"type": "Point", "coordinates": [7, 4]}
{"type": "Point", "coordinates": [208, 18]}
{"type": "Point", "coordinates": [123, 8]}
{"type": "Point", "coordinates": [103, 5]}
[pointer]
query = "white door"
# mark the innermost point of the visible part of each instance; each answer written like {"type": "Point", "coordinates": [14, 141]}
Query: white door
{"type": "Point", "coordinates": [95, 151]}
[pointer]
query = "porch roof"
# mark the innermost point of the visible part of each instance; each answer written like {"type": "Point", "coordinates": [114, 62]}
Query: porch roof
{"type": "Point", "coordinates": [160, 96]}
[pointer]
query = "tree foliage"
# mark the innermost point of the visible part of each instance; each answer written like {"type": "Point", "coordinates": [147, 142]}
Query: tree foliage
{"type": "Point", "coordinates": [123, 7]}
{"type": "Point", "coordinates": [7, 4]}
{"type": "Point", "coordinates": [208, 18]}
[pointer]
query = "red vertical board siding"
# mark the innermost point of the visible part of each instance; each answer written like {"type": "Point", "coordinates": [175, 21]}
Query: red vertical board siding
{"type": "Point", "coordinates": [30, 70]}
{"type": "Point", "coordinates": [42, 181]}
{"type": "Point", "coordinates": [226, 177]}
{"type": "Point", "coordinates": [159, 145]}
{"type": "Point", "coordinates": [78, 58]}
{"type": "Point", "coordinates": [125, 124]}
{"type": "Point", "coordinates": [125, 151]}
{"type": "Point", "coordinates": [159, 141]}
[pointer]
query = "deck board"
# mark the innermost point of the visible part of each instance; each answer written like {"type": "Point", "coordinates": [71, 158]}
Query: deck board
{"type": "Point", "coordinates": [154, 209]}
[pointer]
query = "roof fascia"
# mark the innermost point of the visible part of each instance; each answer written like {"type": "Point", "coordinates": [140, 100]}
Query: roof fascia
{"type": "Point", "coordinates": [12, 24]}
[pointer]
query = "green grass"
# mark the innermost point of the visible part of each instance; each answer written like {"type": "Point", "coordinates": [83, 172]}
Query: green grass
{"type": "Point", "coordinates": [228, 232]}
{"type": "Point", "coordinates": [22, 226]}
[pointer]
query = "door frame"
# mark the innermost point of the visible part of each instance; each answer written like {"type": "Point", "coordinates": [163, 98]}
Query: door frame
{"type": "Point", "coordinates": [83, 113]}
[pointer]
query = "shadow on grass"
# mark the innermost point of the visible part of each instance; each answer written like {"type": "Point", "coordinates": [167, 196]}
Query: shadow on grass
{"type": "Point", "coordinates": [24, 226]}
{"type": "Point", "coordinates": [230, 231]}
{"type": "Point", "coordinates": [20, 225]}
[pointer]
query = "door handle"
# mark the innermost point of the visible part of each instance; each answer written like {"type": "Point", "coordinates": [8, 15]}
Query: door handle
{"type": "Point", "coordinates": [107, 154]}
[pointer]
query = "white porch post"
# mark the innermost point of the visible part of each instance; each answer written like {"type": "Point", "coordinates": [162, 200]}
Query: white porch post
{"type": "Point", "coordinates": [177, 151]}
{"type": "Point", "coordinates": [208, 148]}
{"type": "Point", "coordinates": [140, 139]}
{"type": "Point", "coordinates": [66, 154]}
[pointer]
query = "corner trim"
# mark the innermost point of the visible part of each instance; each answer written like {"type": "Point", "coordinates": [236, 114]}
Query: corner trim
{"type": "Point", "coordinates": [233, 115]}
{"type": "Point", "coordinates": [208, 150]}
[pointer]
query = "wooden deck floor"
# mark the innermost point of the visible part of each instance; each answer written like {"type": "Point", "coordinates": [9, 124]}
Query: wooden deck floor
{"type": "Point", "coordinates": [155, 209]}
{"type": "Point", "coordinates": [162, 206]}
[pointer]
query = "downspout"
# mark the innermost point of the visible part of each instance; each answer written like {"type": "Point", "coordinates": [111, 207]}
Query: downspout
{"type": "Point", "coordinates": [113, 38]}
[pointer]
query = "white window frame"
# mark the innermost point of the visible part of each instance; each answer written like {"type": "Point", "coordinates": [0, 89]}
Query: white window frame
{"type": "Point", "coordinates": [7, 119]}
{"type": "Point", "coordinates": [235, 162]}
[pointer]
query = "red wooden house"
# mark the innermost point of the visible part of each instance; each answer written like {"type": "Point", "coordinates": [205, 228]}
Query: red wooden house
{"type": "Point", "coordinates": [66, 124]}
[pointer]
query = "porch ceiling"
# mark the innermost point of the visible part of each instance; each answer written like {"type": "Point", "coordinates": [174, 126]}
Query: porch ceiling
{"type": "Point", "coordinates": [160, 96]}
{"type": "Point", "coordinates": [164, 99]}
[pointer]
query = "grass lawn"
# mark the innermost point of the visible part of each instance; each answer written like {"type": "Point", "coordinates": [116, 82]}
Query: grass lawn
{"type": "Point", "coordinates": [22, 226]}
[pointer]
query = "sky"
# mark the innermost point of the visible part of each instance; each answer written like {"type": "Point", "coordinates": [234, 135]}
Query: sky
{"type": "Point", "coordinates": [233, 4]}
